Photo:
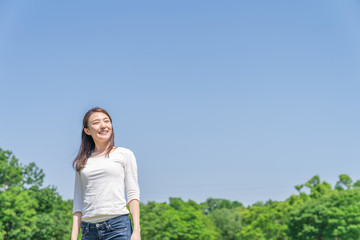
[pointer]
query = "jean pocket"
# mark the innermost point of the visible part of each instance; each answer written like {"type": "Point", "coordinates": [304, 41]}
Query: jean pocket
{"type": "Point", "coordinates": [119, 225]}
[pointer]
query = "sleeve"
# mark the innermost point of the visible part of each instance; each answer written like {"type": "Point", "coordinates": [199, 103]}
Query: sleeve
{"type": "Point", "coordinates": [131, 178]}
{"type": "Point", "coordinates": [78, 194]}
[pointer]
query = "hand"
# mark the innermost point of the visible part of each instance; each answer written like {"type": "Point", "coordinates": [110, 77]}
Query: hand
{"type": "Point", "coordinates": [135, 236]}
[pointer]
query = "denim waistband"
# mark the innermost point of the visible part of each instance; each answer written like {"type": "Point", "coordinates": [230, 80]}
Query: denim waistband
{"type": "Point", "coordinates": [106, 222]}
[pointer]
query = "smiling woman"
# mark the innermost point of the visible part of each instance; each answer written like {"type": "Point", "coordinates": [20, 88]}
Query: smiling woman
{"type": "Point", "coordinates": [99, 206]}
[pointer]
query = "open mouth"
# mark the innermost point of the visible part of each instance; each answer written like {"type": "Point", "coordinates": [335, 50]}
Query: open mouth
{"type": "Point", "coordinates": [103, 132]}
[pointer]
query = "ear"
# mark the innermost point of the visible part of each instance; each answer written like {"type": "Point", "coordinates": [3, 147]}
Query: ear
{"type": "Point", "coordinates": [87, 131]}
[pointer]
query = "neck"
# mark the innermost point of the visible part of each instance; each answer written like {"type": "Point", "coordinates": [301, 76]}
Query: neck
{"type": "Point", "coordinates": [101, 147]}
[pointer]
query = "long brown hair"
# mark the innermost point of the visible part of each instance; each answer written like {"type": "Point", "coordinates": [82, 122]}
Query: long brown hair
{"type": "Point", "coordinates": [87, 146]}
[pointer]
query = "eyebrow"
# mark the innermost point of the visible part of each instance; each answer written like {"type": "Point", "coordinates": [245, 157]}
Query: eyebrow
{"type": "Point", "coordinates": [98, 119]}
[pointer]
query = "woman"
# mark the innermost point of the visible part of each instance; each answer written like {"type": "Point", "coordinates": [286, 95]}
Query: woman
{"type": "Point", "coordinates": [99, 206]}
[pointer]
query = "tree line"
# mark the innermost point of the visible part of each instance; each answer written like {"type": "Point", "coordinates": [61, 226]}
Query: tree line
{"type": "Point", "coordinates": [29, 210]}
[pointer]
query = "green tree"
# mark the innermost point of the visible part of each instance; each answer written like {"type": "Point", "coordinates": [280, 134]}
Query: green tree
{"type": "Point", "coordinates": [264, 221]}
{"type": "Point", "coordinates": [27, 210]}
{"type": "Point", "coordinates": [219, 203]}
{"type": "Point", "coordinates": [32, 175]}
{"type": "Point", "coordinates": [17, 215]}
{"type": "Point", "coordinates": [344, 182]}
{"type": "Point", "coordinates": [53, 215]}
{"type": "Point", "coordinates": [176, 221]}
{"type": "Point", "coordinates": [10, 170]}
{"type": "Point", "coordinates": [228, 222]}
{"type": "Point", "coordinates": [333, 215]}
{"type": "Point", "coordinates": [317, 187]}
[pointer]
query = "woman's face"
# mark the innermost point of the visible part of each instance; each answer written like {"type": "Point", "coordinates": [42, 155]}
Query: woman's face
{"type": "Point", "coordinates": [99, 127]}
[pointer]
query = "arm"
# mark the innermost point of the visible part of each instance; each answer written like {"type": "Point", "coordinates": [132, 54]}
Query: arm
{"type": "Point", "coordinates": [135, 214]}
{"type": "Point", "coordinates": [133, 193]}
{"type": "Point", "coordinates": [77, 207]}
{"type": "Point", "coordinates": [76, 225]}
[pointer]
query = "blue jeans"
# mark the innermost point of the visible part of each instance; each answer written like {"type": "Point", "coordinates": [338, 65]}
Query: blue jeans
{"type": "Point", "coordinates": [117, 228]}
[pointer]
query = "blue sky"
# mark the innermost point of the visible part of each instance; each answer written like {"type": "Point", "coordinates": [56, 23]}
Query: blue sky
{"type": "Point", "coordinates": [240, 100]}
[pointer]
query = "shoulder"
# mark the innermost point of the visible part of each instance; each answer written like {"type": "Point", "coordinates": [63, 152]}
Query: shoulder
{"type": "Point", "coordinates": [128, 156]}
{"type": "Point", "coordinates": [126, 152]}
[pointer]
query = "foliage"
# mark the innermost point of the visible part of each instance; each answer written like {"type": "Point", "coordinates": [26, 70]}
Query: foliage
{"type": "Point", "coordinates": [264, 221]}
{"type": "Point", "coordinates": [29, 211]}
{"type": "Point", "coordinates": [334, 215]}
{"type": "Point", "coordinates": [176, 220]}
{"type": "Point", "coordinates": [228, 222]}
{"type": "Point", "coordinates": [17, 215]}
{"type": "Point", "coordinates": [318, 212]}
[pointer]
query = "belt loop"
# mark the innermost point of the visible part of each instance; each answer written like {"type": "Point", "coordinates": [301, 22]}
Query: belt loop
{"type": "Point", "coordinates": [107, 225]}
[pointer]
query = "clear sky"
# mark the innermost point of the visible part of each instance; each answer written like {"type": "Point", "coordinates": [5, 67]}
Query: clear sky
{"type": "Point", "coordinates": [240, 100]}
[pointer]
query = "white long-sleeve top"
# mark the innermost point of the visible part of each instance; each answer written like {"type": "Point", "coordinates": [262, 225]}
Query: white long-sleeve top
{"type": "Point", "coordinates": [99, 187]}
